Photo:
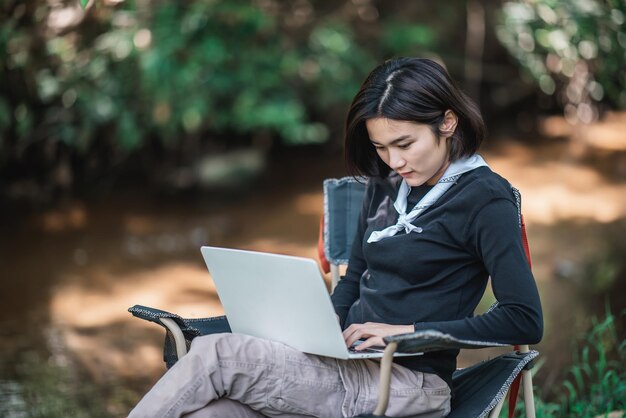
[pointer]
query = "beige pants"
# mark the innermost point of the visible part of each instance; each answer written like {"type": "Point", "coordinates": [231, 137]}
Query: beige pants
{"type": "Point", "coordinates": [232, 375]}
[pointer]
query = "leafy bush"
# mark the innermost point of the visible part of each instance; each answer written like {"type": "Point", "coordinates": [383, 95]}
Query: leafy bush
{"type": "Point", "coordinates": [596, 382]}
{"type": "Point", "coordinates": [572, 48]}
{"type": "Point", "coordinates": [168, 71]}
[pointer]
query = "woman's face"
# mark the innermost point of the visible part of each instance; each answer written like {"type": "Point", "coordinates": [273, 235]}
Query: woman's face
{"type": "Point", "coordinates": [409, 148]}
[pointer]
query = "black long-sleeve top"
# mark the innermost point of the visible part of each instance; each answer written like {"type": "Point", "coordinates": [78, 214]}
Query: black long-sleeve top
{"type": "Point", "coordinates": [435, 279]}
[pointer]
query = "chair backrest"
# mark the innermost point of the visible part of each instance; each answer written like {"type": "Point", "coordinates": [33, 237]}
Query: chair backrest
{"type": "Point", "coordinates": [343, 199]}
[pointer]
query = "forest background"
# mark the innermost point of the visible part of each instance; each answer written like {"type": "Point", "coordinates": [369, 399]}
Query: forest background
{"type": "Point", "coordinates": [132, 132]}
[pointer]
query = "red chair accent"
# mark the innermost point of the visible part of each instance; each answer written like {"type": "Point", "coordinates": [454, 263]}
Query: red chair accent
{"type": "Point", "coordinates": [320, 249]}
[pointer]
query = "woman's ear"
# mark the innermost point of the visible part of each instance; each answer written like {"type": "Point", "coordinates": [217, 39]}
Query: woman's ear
{"type": "Point", "coordinates": [449, 123]}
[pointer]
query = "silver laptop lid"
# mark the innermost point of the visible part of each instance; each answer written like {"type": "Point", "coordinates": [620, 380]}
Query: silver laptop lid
{"type": "Point", "coordinates": [277, 297]}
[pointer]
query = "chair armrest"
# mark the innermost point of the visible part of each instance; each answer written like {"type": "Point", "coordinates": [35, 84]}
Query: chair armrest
{"type": "Point", "coordinates": [431, 340]}
{"type": "Point", "coordinates": [155, 315]}
{"type": "Point", "coordinates": [180, 331]}
{"type": "Point", "coordinates": [191, 327]}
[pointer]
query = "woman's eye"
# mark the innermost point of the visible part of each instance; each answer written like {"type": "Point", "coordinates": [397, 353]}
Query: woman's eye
{"type": "Point", "coordinates": [404, 146]}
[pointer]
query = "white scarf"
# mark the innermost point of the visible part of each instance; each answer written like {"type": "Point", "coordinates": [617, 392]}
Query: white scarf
{"type": "Point", "coordinates": [452, 173]}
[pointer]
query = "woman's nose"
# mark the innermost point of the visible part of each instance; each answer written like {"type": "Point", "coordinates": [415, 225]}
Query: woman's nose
{"type": "Point", "coordinates": [395, 160]}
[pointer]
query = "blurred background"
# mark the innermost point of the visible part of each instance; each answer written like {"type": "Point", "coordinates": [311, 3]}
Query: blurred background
{"type": "Point", "coordinates": [132, 132]}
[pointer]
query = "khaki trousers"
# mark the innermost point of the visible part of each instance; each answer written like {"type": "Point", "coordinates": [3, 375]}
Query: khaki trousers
{"type": "Point", "coordinates": [232, 375]}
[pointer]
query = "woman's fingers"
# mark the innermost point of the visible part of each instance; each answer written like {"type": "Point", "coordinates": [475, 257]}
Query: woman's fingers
{"type": "Point", "coordinates": [371, 342]}
{"type": "Point", "coordinates": [373, 333]}
{"type": "Point", "coordinates": [368, 330]}
{"type": "Point", "coordinates": [354, 333]}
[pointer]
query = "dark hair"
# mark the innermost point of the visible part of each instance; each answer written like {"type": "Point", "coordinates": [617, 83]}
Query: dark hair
{"type": "Point", "coordinates": [409, 89]}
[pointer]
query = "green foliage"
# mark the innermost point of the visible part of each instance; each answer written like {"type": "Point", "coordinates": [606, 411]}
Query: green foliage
{"type": "Point", "coordinates": [218, 67]}
{"type": "Point", "coordinates": [113, 76]}
{"type": "Point", "coordinates": [404, 38]}
{"type": "Point", "coordinates": [574, 49]}
{"type": "Point", "coordinates": [162, 70]}
{"type": "Point", "coordinates": [595, 384]}
{"type": "Point", "coordinates": [85, 84]}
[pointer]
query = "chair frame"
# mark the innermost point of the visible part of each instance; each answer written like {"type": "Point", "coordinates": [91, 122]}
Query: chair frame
{"type": "Point", "coordinates": [177, 333]}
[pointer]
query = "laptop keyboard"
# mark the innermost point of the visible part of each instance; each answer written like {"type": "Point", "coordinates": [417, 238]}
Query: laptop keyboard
{"type": "Point", "coordinates": [367, 350]}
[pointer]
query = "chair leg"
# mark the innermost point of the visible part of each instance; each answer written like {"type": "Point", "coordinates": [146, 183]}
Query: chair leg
{"type": "Point", "coordinates": [179, 338]}
{"type": "Point", "coordinates": [385, 379]}
{"type": "Point", "coordinates": [527, 382]}
{"type": "Point", "coordinates": [495, 412]}
{"type": "Point", "coordinates": [334, 275]}
{"type": "Point", "coordinates": [529, 399]}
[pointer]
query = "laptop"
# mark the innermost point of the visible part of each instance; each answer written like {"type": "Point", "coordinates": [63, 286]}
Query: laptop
{"type": "Point", "coordinates": [281, 298]}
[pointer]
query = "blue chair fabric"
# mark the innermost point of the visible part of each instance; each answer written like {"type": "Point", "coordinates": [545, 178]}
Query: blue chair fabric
{"type": "Point", "coordinates": [343, 199]}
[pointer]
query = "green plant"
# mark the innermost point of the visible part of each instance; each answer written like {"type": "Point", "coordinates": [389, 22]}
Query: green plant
{"type": "Point", "coordinates": [595, 384]}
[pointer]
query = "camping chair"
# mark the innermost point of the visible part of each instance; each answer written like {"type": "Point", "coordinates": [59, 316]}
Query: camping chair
{"type": "Point", "coordinates": [478, 391]}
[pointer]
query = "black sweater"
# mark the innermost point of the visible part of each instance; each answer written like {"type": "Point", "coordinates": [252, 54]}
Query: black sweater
{"type": "Point", "coordinates": [435, 279]}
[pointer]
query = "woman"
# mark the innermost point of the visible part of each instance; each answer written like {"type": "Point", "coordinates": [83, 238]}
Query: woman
{"type": "Point", "coordinates": [436, 222]}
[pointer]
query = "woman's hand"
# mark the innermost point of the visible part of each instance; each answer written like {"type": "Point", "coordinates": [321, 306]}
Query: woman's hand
{"type": "Point", "coordinates": [373, 333]}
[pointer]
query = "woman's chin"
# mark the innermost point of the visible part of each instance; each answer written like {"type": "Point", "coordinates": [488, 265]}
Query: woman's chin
{"type": "Point", "coordinates": [414, 180]}
{"type": "Point", "coordinates": [415, 183]}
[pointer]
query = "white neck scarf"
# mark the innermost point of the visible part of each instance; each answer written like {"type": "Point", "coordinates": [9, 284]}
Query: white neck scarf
{"type": "Point", "coordinates": [452, 173]}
